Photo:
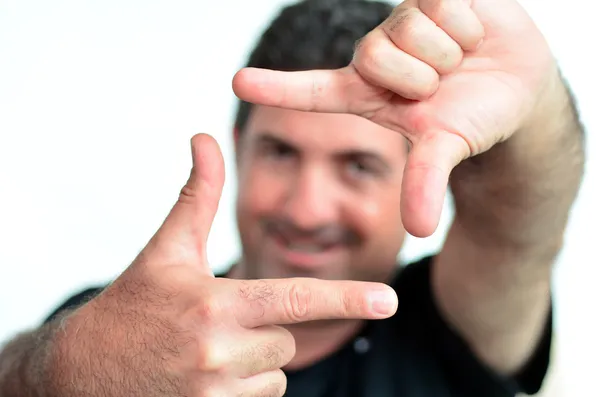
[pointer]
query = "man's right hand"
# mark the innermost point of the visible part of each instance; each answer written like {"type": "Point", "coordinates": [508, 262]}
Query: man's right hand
{"type": "Point", "coordinates": [168, 327]}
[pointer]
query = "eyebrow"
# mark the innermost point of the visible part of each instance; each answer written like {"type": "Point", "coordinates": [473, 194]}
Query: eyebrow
{"type": "Point", "coordinates": [353, 153]}
{"type": "Point", "coordinates": [366, 155]}
{"type": "Point", "coordinates": [269, 138]}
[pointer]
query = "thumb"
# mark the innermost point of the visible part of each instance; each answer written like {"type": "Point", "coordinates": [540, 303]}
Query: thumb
{"type": "Point", "coordinates": [425, 180]}
{"type": "Point", "coordinates": [181, 240]}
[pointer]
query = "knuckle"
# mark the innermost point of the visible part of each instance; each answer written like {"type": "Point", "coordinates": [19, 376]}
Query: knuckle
{"type": "Point", "coordinates": [297, 302]}
{"type": "Point", "coordinates": [208, 309]}
{"type": "Point", "coordinates": [430, 84]}
{"type": "Point", "coordinates": [358, 44]}
{"type": "Point", "coordinates": [275, 387]}
{"type": "Point", "coordinates": [272, 354]}
{"type": "Point", "coordinates": [211, 358]}
{"type": "Point", "coordinates": [283, 351]}
{"type": "Point", "coordinates": [425, 85]}
{"type": "Point", "coordinates": [416, 34]}
{"type": "Point", "coordinates": [259, 291]}
{"type": "Point", "coordinates": [402, 17]}
{"type": "Point", "coordinates": [266, 356]}
{"type": "Point", "coordinates": [434, 9]}
{"type": "Point", "coordinates": [282, 384]}
{"type": "Point", "coordinates": [449, 59]}
{"type": "Point", "coordinates": [317, 94]}
{"type": "Point", "coordinates": [256, 296]}
{"type": "Point", "coordinates": [279, 384]}
{"type": "Point", "coordinates": [370, 56]}
{"type": "Point", "coordinates": [289, 346]}
{"type": "Point", "coordinates": [209, 391]}
{"type": "Point", "coordinates": [187, 194]}
{"type": "Point", "coordinates": [348, 304]}
{"type": "Point", "coordinates": [412, 33]}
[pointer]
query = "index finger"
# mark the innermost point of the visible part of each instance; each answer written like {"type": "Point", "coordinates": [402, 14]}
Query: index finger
{"type": "Point", "coordinates": [327, 91]}
{"type": "Point", "coordinates": [298, 300]}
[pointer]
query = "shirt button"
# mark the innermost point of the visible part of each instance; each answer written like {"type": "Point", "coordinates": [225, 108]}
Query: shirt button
{"type": "Point", "coordinates": [361, 345]}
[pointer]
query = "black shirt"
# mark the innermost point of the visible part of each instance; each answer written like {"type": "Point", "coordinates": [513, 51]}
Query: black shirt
{"type": "Point", "coordinates": [412, 354]}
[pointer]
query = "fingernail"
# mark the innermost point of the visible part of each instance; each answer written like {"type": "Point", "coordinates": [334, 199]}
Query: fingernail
{"type": "Point", "coordinates": [383, 302]}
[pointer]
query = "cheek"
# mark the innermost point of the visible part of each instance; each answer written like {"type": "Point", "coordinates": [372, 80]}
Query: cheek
{"type": "Point", "coordinates": [258, 194]}
{"type": "Point", "coordinates": [376, 217]}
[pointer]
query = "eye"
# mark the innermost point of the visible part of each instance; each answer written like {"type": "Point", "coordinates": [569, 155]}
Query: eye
{"type": "Point", "coordinates": [280, 150]}
{"type": "Point", "coordinates": [277, 151]}
{"type": "Point", "coordinates": [358, 168]}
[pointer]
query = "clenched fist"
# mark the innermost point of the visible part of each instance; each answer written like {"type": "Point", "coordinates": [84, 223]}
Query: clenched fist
{"type": "Point", "coordinates": [455, 77]}
{"type": "Point", "coordinates": [168, 327]}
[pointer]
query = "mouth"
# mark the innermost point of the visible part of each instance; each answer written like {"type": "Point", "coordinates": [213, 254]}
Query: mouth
{"type": "Point", "coordinates": [307, 247]}
{"type": "Point", "coordinates": [307, 254]}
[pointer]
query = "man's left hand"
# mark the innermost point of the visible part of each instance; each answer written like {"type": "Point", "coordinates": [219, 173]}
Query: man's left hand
{"type": "Point", "coordinates": [455, 77]}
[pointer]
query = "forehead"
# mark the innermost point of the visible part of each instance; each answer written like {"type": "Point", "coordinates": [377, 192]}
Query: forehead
{"type": "Point", "coordinates": [324, 133]}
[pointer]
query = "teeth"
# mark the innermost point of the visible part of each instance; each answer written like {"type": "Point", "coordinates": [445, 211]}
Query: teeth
{"type": "Point", "coordinates": [304, 247]}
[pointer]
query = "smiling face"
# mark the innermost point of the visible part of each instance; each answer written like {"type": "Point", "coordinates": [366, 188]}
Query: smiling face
{"type": "Point", "coordinates": [318, 196]}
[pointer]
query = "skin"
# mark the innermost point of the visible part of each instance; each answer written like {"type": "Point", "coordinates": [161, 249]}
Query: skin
{"type": "Point", "coordinates": [495, 112]}
{"type": "Point", "coordinates": [168, 327]}
{"type": "Point", "coordinates": [301, 184]}
{"type": "Point", "coordinates": [483, 99]}
{"type": "Point", "coordinates": [448, 117]}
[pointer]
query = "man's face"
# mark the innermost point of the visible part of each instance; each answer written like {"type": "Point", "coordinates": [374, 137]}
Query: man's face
{"type": "Point", "coordinates": [319, 196]}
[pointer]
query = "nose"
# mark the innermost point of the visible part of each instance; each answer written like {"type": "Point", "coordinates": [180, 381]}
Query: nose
{"type": "Point", "coordinates": [313, 199]}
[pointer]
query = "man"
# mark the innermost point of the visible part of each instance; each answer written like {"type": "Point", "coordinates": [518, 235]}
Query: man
{"type": "Point", "coordinates": [327, 196]}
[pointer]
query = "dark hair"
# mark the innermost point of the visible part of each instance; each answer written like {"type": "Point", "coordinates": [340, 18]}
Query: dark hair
{"type": "Point", "coordinates": [313, 34]}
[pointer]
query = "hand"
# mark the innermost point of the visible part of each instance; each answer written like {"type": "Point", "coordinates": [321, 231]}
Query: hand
{"type": "Point", "coordinates": [453, 76]}
{"type": "Point", "coordinates": [168, 327]}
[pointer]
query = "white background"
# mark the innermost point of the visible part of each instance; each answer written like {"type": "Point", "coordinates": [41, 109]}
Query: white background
{"type": "Point", "coordinates": [98, 101]}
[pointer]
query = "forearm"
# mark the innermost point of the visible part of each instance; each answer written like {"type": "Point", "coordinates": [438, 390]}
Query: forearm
{"type": "Point", "coordinates": [24, 362]}
{"type": "Point", "coordinates": [520, 192]}
{"type": "Point", "coordinates": [512, 205]}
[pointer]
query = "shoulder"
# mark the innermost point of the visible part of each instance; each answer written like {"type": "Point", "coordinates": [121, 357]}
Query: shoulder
{"type": "Point", "coordinates": [418, 316]}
